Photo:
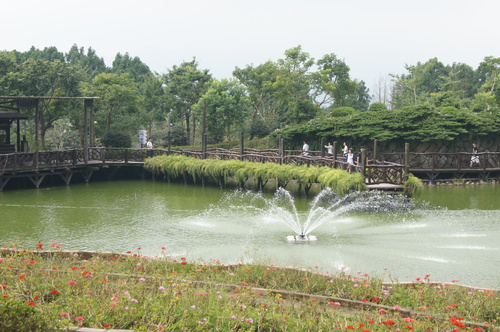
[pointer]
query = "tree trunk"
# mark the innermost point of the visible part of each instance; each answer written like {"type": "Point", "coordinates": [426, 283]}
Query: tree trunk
{"type": "Point", "coordinates": [188, 128]}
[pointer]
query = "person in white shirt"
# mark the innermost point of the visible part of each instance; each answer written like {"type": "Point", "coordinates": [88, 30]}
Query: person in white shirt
{"type": "Point", "coordinates": [149, 146]}
{"type": "Point", "coordinates": [305, 149]}
{"type": "Point", "coordinates": [345, 149]}
{"type": "Point", "coordinates": [329, 149]}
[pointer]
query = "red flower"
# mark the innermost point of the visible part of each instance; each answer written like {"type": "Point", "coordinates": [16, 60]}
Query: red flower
{"type": "Point", "coordinates": [54, 292]}
{"type": "Point", "coordinates": [183, 263]}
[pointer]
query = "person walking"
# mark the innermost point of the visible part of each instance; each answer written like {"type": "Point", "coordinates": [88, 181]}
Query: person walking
{"type": "Point", "coordinates": [149, 147]}
{"type": "Point", "coordinates": [305, 149]}
{"type": "Point", "coordinates": [350, 160]}
{"type": "Point", "coordinates": [474, 160]}
{"type": "Point", "coordinates": [329, 149]}
{"type": "Point", "coordinates": [345, 150]}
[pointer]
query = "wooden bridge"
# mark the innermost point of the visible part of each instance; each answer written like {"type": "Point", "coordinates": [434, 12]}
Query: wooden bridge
{"type": "Point", "coordinates": [36, 166]}
{"type": "Point", "coordinates": [389, 173]}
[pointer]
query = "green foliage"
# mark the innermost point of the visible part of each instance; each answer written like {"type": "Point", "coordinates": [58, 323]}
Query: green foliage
{"type": "Point", "coordinates": [377, 107]}
{"type": "Point", "coordinates": [184, 85]}
{"type": "Point", "coordinates": [176, 165]}
{"type": "Point", "coordinates": [117, 140]}
{"type": "Point", "coordinates": [69, 290]}
{"type": "Point", "coordinates": [226, 108]}
{"type": "Point", "coordinates": [343, 111]}
{"type": "Point", "coordinates": [21, 317]}
{"type": "Point", "coordinates": [413, 186]}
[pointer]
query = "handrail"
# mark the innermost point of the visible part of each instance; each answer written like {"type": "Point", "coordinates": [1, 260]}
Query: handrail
{"type": "Point", "coordinates": [25, 161]}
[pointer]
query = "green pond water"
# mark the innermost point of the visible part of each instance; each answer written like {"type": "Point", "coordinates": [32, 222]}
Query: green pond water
{"type": "Point", "coordinates": [451, 233]}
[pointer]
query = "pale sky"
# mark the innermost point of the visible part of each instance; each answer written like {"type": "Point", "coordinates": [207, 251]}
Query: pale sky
{"type": "Point", "coordinates": [374, 38]}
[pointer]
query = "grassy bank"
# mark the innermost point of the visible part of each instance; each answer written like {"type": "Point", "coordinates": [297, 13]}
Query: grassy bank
{"type": "Point", "coordinates": [46, 289]}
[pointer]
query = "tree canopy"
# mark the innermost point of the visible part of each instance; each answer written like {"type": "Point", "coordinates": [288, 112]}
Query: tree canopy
{"type": "Point", "coordinates": [296, 96]}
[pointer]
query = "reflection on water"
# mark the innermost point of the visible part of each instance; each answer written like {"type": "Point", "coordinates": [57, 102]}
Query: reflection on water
{"type": "Point", "coordinates": [451, 233]}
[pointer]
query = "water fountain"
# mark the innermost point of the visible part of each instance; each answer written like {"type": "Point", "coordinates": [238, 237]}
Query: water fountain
{"type": "Point", "coordinates": [324, 208]}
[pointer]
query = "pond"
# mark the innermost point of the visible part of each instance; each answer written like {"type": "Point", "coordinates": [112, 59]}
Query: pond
{"type": "Point", "coordinates": [451, 233]}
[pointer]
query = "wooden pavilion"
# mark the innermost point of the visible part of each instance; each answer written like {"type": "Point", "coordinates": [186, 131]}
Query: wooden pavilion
{"type": "Point", "coordinates": [10, 111]}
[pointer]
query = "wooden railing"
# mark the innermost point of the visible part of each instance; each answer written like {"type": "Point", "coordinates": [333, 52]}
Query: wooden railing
{"type": "Point", "coordinates": [379, 172]}
{"type": "Point", "coordinates": [444, 161]}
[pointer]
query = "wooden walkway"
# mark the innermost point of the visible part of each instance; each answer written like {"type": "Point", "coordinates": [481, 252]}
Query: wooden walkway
{"type": "Point", "coordinates": [36, 166]}
{"type": "Point", "coordinates": [388, 174]}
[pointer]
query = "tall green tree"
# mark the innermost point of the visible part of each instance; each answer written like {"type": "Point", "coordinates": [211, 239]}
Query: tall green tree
{"type": "Point", "coordinates": [89, 62]}
{"type": "Point", "coordinates": [119, 98]}
{"type": "Point", "coordinates": [153, 103]}
{"type": "Point", "coordinates": [422, 79]}
{"type": "Point", "coordinates": [262, 93]}
{"type": "Point", "coordinates": [225, 106]}
{"type": "Point", "coordinates": [293, 85]}
{"type": "Point", "coordinates": [8, 66]}
{"type": "Point", "coordinates": [331, 83]}
{"type": "Point", "coordinates": [184, 85]}
{"type": "Point", "coordinates": [125, 64]}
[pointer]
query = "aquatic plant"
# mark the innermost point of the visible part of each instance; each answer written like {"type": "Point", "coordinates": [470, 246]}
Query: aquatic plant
{"type": "Point", "coordinates": [413, 186]}
{"type": "Point", "coordinates": [175, 166]}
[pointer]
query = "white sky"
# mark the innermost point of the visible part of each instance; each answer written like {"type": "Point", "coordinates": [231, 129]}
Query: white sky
{"type": "Point", "coordinates": [374, 38]}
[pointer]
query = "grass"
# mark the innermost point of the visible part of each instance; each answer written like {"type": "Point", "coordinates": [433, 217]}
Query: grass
{"type": "Point", "coordinates": [58, 289]}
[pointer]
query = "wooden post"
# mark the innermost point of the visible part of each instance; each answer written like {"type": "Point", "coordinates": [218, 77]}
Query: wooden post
{"type": "Point", "coordinates": [242, 145]}
{"type": "Point", "coordinates": [375, 149]}
{"type": "Point", "coordinates": [204, 145]}
{"type": "Point", "coordinates": [37, 120]}
{"type": "Point", "coordinates": [322, 147]}
{"type": "Point", "coordinates": [407, 161]}
{"type": "Point", "coordinates": [169, 141]}
{"type": "Point", "coordinates": [281, 149]}
{"type": "Point", "coordinates": [363, 162]}
{"type": "Point", "coordinates": [91, 124]}
{"type": "Point", "coordinates": [18, 135]}
{"type": "Point", "coordinates": [85, 132]}
{"type": "Point", "coordinates": [334, 165]}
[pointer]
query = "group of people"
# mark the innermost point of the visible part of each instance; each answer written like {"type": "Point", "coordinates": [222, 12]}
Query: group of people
{"type": "Point", "coordinates": [350, 158]}
{"type": "Point", "coordinates": [353, 159]}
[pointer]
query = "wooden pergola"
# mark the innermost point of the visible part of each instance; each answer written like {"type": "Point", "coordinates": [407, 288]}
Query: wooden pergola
{"type": "Point", "coordinates": [10, 111]}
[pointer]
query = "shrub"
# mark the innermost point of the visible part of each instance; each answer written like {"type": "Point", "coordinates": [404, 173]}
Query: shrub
{"type": "Point", "coordinates": [378, 106]}
{"type": "Point", "coordinates": [20, 317]}
{"type": "Point", "coordinates": [413, 186]}
{"type": "Point", "coordinates": [343, 111]}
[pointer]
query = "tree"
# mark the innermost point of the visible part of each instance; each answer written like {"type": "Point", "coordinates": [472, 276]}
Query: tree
{"type": "Point", "coordinates": [8, 66]}
{"type": "Point", "coordinates": [331, 84]}
{"type": "Point", "coordinates": [262, 93]}
{"type": "Point", "coordinates": [293, 85]}
{"type": "Point", "coordinates": [422, 80]}
{"type": "Point", "coordinates": [89, 62]}
{"type": "Point", "coordinates": [153, 105]}
{"type": "Point", "coordinates": [119, 96]}
{"type": "Point", "coordinates": [124, 64]}
{"type": "Point", "coordinates": [184, 85]}
{"type": "Point", "coordinates": [226, 106]}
